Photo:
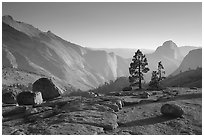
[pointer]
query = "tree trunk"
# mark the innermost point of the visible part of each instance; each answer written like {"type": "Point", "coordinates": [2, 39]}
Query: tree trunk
{"type": "Point", "coordinates": [140, 81]}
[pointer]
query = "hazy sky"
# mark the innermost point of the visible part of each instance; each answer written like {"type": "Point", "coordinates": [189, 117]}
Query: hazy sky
{"type": "Point", "coordinates": [114, 25]}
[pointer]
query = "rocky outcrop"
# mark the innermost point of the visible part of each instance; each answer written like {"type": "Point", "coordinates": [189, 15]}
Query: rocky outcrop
{"type": "Point", "coordinates": [172, 110]}
{"type": "Point", "coordinates": [67, 115]}
{"type": "Point", "coordinates": [48, 89]}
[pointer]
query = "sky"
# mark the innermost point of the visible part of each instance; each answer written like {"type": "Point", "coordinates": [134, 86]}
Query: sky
{"type": "Point", "coordinates": [114, 25]}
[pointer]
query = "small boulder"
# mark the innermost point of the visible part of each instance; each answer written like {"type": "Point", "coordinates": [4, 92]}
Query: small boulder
{"type": "Point", "coordinates": [145, 95]}
{"type": "Point", "coordinates": [9, 98]}
{"type": "Point", "coordinates": [48, 89]}
{"type": "Point", "coordinates": [119, 103]}
{"type": "Point", "coordinates": [172, 110]}
{"type": "Point", "coordinates": [194, 88]}
{"type": "Point", "coordinates": [29, 98]}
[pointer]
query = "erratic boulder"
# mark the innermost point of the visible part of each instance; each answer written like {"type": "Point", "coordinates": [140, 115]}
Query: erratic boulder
{"type": "Point", "coordinates": [9, 98]}
{"type": "Point", "coordinates": [172, 110]}
{"type": "Point", "coordinates": [48, 89]}
{"type": "Point", "coordinates": [29, 98]}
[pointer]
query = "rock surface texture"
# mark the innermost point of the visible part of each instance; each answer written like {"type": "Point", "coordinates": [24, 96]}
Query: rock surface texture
{"type": "Point", "coordinates": [67, 116]}
{"type": "Point", "coordinates": [78, 115]}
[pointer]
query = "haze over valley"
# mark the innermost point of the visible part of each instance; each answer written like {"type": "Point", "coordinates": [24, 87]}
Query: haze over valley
{"type": "Point", "coordinates": [94, 69]}
{"type": "Point", "coordinates": [83, 68]}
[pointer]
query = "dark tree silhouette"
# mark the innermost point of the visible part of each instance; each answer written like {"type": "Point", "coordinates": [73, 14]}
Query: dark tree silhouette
{"type": "Point", "coordinates": [137, 68]}
{"type": "Point", "coordinates": [116, 85]}
{"type": "Point", "coordinates": [154, 83]}
{"type": "Point", "coordinates": [157, 76]}
{"type": "Point", "coordinates": [160, 71]}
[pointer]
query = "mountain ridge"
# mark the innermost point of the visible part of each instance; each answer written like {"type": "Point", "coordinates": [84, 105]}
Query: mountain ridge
{"type": "Point", "coordinates": [50, 54]}
{"type": "Point", "coordinates": [189, 78]}
{"type": "Point", "coordinates": [28, 48]}
{"type": "Point", "coordinates": [192, 60]}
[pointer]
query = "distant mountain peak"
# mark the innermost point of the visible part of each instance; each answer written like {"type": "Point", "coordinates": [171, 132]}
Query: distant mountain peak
{"type": "Point", "coordinates": [169, 49]}
{"type": "Point", "coordinates": [169, 44]}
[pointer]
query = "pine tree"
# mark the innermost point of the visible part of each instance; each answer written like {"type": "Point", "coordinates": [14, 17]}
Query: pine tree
{"type": "Point", "coordinates": [157, 76]}
{"type": "Point", "coordinates": [154, 83]}
{"type": "Point", "coordinates": [137, 68]}
{"type": "Point", "coordinates": [160, 71]}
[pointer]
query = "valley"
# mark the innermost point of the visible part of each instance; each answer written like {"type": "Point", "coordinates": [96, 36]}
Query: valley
{"type": "Point", "coordinates": [51, 86]}
{"type": "Point", "coordinates": [28, 48]}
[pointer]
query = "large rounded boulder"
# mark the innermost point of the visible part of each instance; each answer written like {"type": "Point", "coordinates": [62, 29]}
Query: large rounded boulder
{"type": "Point", "coordinates": [9, 98]}
{"type": "Point", "coordinates": [48, 89]}
{"type": "Point", "coordinates": [29, 98]}
{"type": "Point", "coordinates": [172, 110]}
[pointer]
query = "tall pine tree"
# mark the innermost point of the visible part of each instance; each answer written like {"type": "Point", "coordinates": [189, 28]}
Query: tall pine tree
{"type": "Point", "coordinates": [137, 68]}
{"type": "Point", "coordinates": [157, 76]}
{"type": "Point", "coordinates": [160, 71]}
{"type": "Point", "coordinates": [154, 83]}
